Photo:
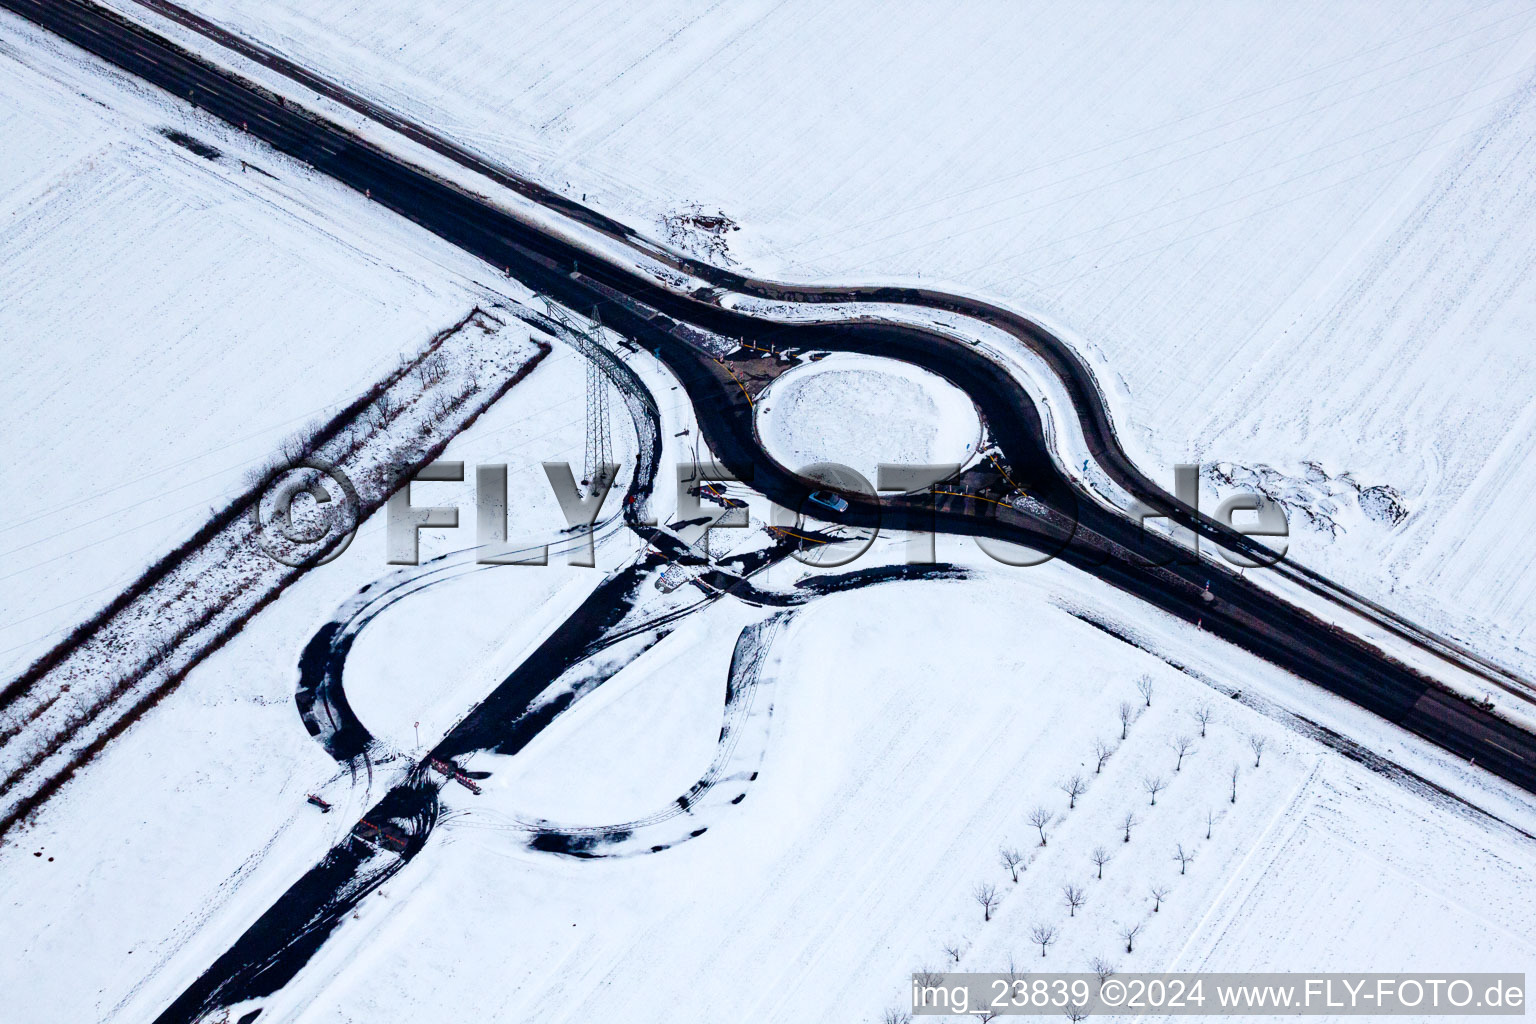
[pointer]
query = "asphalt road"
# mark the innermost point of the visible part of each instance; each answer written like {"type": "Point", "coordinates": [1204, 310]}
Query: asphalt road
{"type": "Point", "coordinates": [1087, 401]}
{"type": "Point", "coordinates": [1097, 541]}
{"type": "Point", "coordinates": [1104, 544]}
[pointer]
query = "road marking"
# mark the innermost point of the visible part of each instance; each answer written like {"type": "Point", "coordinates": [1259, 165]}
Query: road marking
{"type": "Point", "coordinates": [978, 497]}
{"type": "Point", "coordinates": [1511, 753]}
{"type": "Point", "coordinates": [792, 533]}
{"type": "Point", "coordinates": [1003, 471]}
{"type": "Point", "coordinates": [737, 379]}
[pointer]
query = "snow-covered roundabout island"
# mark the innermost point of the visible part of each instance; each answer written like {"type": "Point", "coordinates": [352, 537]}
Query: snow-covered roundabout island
{"type": "Point", "coordinates": [859, 411]}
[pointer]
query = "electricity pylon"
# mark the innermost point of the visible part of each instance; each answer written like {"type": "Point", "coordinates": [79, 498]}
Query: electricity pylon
{"type": "Point", "coordinates": [598, 454]}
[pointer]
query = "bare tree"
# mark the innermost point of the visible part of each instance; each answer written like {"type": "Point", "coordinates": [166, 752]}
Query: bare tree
{"type": "Point", "coordinates": [257, 474]}
{"type": "Point", "coordinates": [1074, 898]}
{"type": "Point", "coordinates": [1236, 768]}
{"type": "Point", "coordinates": [1011, 858]}
{"type": "Point", "coordinates": [1183, 856]}
{"type": "Point", "coordinates": [1154, 785]}
{"type": "Point", "coordinates": [1042, 935]}
{"type": "Point", "coordinates": [928, 978]}
{"type": "Point", "coordinates": [1181, 745]}
{"type": "Point", "coordinates": [382, 411]}
{"type": "Point", "coordinates": [1103, 968]}
{"type": "Point", "coordinates": [1129, 933]}
{"type": "Point", "coordinates": [1100, 857]}
{"type": "Point", "coordinates": [1101, 751]}
{"type": "Point", "coordinates": [1257, 743]}
{"type": "Point", "coordinates": [1210, 821]}
{"type": "Point", "coordinates": [1074, 788]}
{"type": "Point", "coordinates": [1159, 893]}
{"type": "Point", "coordinates": [896, 1017]}
{"type": "Point", "coordinates": [1203, 714]}
{"type": "Point", "coordinates": [1128, 822]}
{"type": "Point", "coordinates": [1040, 817]}
{"type": "Point", "coordinates": [954, 951]}
{"type": "Point", "coordinates": [1127, 716]}
{"type": "Point", "coordinates": [986, 895]}
{"type": "Point", "coordinates": [1145, 686]}
{"type": "Point", "coordinates": [1074, 1012]}
{"type": "Point", "coordinates": [293, 447]}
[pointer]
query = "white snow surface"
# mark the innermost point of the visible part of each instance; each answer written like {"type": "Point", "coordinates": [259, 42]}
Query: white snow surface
{"type": "Point", "coordinates": [894, 770]}
{"type": "Point", "coordinates": [859, 411]}
{"type": "Point", "coordinates": [915, 725]}
{"type": "Point", "coordinates": [168, 320]}
{"type": "Point", "coordinates": [204, 798]}
{"type": "Point", "coordinates": [1283, 233]}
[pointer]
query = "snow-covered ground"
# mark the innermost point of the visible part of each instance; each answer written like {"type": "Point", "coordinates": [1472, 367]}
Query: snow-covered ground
{"type": "Point", "coordinates": [894, 773]}
{"type": "Point", "coordinates": [1276, 229]}
{"type": "Point", "coordinates": [860, 411]}
{"type": "Point", "coordinates": [183, 830]}
{"type": "Point", "coordinates": [189, 824]}
{"type": "Point", "coordinates": [169, 320]}
{"type": "Point", "coordinates": [911, 728]}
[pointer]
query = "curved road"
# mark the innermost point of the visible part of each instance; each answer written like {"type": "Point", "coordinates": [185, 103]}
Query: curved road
{"type": "Point", "coordinates": [1096, 540]}
{"type": "Point", "coordinates": [1105, 544]}
{"type": "Point", "coordinates": [1087, 399]}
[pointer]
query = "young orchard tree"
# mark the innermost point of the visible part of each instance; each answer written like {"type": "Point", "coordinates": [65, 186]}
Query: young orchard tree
{"type": "Point", "coordinates": [1183, 856]}
{"type": "Point", "coordinates": [1101, 752]}
{"type": "Point", "coordinates": [1257, 743]}
{"type": "Point", "coordinates": [1181, 746]}
{"type": "Point", "coordinates": [1129, 933]}
{"type": "Point", "coordinates": [1042, 935]}
{"type": "Point", "coordinates": [1236, 768]}
{"type": "Point", "coordinates": [1105, 969]}
{"type": "Point", "coordinates": [1145, 686]}
{"type": "Point", "coordinates": [1210, 822]}
{"type": "Point", "coordinates": [1100, 857]}
{"type": "Point", "coordinates": [1127, 716]}
{"type": "Point", "coordinates": [1159, 893]}
{"type": "Point", "coordinates": [1074, 897]}
{"type": "Point", "coordinates": [1154, 785]}
{"type": "Point", "coordinates": [1011, 859]}
{"type": "Point", "coordinates": [1074, 1012]}
{"type": "Point", "coordinates": [953, 950]}
{"type": "Point", "coordinates": [986, 895]}
{"type": "Point", "coordinates": [1074, 788]}
{"type": "Point", "coordinates": [1127, 823]}
{"type": "Point", "coordinates": [928, 978]}
{"type": "Point", "coordinates": [1040, 817]}
{"type": "Point", "coordinates": [1203, 714]}
{"type": "Point", "coordinates": [896, 1017]}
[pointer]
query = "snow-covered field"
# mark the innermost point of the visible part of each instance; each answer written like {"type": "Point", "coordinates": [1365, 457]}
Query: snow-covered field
{"type": "Point", "coordinates": [1277, 229]}
{"type": "Point", "coordinates": [1285, 245]}
{"type": "Point", "coordinates": [189, 824]}
{"type": "Point", "coordinates": [168, 321]}
{"type": "Point", "coordinates": [858, 412]}
{"type": "Point", "coordinates": [895, 771]}
{"type": "Point", "coordinates": [146, 866]}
